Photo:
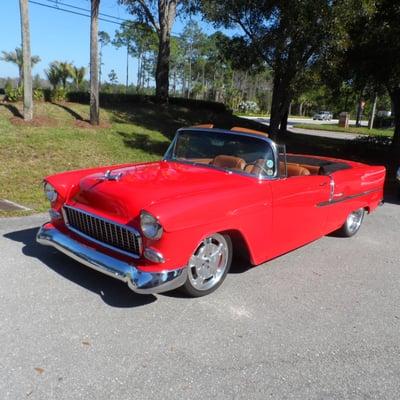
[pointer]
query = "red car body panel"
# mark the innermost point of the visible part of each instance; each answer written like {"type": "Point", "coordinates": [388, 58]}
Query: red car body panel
{"type": "Point", "coordinates": [191, 202]}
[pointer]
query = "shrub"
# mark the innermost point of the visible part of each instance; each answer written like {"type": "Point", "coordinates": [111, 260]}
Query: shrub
{"type": "Point", "coordinates": [109, 99]}
{"type": "Point", "coordinates": [249, 107]}
{"type": "Point", "coordinates": [38, 94]}
{"type": "Point", "coordinates": [384, 122]}
{"type": "Point", "coordinates": [59, 94]}
{"type": "Point", "coordinates": [14, 94]}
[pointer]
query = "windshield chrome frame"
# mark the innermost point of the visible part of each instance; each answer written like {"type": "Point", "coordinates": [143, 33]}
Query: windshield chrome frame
{"type": "Point", "coordinates": [171, 150]}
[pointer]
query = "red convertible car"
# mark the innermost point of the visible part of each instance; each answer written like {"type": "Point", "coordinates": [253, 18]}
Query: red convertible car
{"type": "Point", "coordinates": [175, 223]}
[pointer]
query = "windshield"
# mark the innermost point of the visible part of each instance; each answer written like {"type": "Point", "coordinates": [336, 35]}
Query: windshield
{"type": "Point", "coordinates": [228, 151]}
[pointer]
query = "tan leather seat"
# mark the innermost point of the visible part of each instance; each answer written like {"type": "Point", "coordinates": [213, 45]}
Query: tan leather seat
{"type": "Point", "coordinates": [201, 160]}
{"type": "Point", "coordinates": [297, 170]}
{"type": "Point", "coordinates": [293, 169]}
{"type": "Point", "coordinates": [230, 162]}
{"type": "Point", "coordinates": [209, 126]}
{"type": "Point", "coordinates": [314, 169]}
{"type": "Point", "coordinates": [256, 168]}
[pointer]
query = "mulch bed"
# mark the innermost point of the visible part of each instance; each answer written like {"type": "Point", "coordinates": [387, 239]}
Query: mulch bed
{"type": "Point", "coordinates": [85, 124]}
{"type": "Point", "coordinates": [36, 122]}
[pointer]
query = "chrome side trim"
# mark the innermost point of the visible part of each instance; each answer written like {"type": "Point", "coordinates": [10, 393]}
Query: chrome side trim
{"type": "Point", "coordinates": [344, 198]}
{"type": "Point", "coordinates": [331, 188]}
{"type": "Point", "coordinates": [99, 242]}
{"type": "Point", "coordinates": [138, 281]}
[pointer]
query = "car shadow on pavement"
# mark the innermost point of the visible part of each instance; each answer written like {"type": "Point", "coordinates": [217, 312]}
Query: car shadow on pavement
{"type": "Point", "coordinates": [393, 198]}
{"type": "Point", "coordinates": [113, 292]}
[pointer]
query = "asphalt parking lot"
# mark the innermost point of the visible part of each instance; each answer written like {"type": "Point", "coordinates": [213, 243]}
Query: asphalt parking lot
{"type": "Point", "coordinates": [321, 322]}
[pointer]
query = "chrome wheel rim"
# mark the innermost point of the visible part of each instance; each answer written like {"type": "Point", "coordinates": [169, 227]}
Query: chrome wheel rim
{"type": "Point", "coordinates": [354, 220]}
{"type": "Point", "coordinates": [208, 263]}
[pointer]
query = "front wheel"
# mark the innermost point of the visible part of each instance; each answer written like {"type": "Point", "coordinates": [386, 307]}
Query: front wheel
{"type": "Point", "coordinates": [208, 266]}
{"type": "Point", "coordinates": [352, 224]}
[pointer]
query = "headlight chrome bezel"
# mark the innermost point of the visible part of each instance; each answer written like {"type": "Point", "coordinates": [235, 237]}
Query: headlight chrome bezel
{"type": "Point", "coordinates": [50, 192]}
{"type": "Point", "coordinates": [150, 226]}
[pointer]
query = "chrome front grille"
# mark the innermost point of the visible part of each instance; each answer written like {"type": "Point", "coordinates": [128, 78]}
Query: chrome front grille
{"type": "Point", "coordinates": [110, 234]}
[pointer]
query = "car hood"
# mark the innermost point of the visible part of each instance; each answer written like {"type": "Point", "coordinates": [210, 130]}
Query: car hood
{"type": "Point", "coordinates": [143, 186]}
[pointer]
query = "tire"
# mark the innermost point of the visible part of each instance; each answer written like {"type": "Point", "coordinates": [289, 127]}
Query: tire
{"type": "Point", "coordinates": [208, 265]}
{"type": "Point", "coordinates": [352, 224]}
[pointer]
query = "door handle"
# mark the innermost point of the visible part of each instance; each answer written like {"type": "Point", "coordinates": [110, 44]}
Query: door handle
{"type": "Point", "coordinates": [323, 184]}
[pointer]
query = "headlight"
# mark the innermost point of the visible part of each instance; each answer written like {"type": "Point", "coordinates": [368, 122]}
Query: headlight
{"type": "Point", "coordinates": [398, 174]}
{"type": "Point", "coordinates": [150, 226]}
{"type": "Point", "coordinates": [50, 192]}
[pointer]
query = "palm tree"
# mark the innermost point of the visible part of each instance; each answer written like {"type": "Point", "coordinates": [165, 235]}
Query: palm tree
{"type": "Point", "coordinates": [104, 40]}
{"type": "Point", "coordinates": [53, 74]}
{"type": "Point", "coordinates": [26, 60]}
{"type": "Point", "coordinates": [94, 62]}
{"type": "Point", "coordinates": [64, 69]}
{"type": "Point", "coordinates": [77, 75]}
{"type": "Point", "coordinates": [16, 57]}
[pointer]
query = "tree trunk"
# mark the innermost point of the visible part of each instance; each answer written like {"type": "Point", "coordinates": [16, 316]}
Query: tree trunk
{"type": "Point", "coordinates": [100, 63]}
{"type": "Point", "coordinates": [284, 120]}
{"type": "Point", "coordinates": [26, 52]}
{"type": "Point", "coordinates": [280, 105]}
{"type": "Point", "coordinates": [395, 96]}
{"type": "Point", "coordinates": [301, 109]}
{"type": "Point", "coordinates": [166, 15]}
{"type": "Point", "coordinates": [162, 70]}
{"type": "Point", "coordinates": [359, 111]}
{"type": "Point", "coordinates": [20, 72]}
{"type": "Point", "coordinates": [139, 58]}
{"type": "Point", "coordinates": [174, 82]}
{"type": "Point", "coordinates": [372, 117]}
{"type": "Point", "coordinates": [203, 79]}
{"type": "Point", "coordinates": [127, 68]}
{"type": "Point", "coordinates": [94, 63]}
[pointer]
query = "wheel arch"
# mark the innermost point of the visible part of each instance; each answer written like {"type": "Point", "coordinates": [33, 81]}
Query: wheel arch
{"type": "Point", "coordinates": [240, 245]}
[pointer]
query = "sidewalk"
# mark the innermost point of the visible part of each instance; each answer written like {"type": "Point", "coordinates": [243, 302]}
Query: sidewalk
{"type": "Point", "coordinates": [327, 134]}
{"type": "Point", "coordinates": [311, 132]}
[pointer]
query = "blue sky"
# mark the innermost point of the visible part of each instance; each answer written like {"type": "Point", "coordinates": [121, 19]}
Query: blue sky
{"type": "Point", "coordinates": [57, 35]}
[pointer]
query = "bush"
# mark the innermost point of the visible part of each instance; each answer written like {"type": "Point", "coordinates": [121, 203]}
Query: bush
{"type": "Point", "coordinates": [383, 122]}
{"type": "Point", "coordinates": [38, 94]}
{"type": "Point", "coordinates": [109, 99]}
{"type": "Point", "coordinates": [59, 94]}
{"type": "Point", "coordinates": [249, 107]}
{"type": "Point", "coordinates": [14, 94]}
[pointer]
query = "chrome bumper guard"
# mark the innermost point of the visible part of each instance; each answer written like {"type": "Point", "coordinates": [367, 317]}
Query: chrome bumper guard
{"type": "Point", "coordinates": [139, 281]}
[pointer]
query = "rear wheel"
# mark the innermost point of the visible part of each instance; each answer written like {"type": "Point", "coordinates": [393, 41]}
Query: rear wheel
{"type": "Point", "coordinates": [208, 266]}
{"type": "Point", "coordinates": [352, 224]}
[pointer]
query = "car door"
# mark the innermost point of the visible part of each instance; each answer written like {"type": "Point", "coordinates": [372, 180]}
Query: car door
{"type": "Point", "coordinates": [296, 216]}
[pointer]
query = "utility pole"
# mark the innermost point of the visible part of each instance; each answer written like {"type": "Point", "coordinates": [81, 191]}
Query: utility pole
{"type": "Point", "coordinates": [94, 63]}
{"type": "Point", "coordinates": [26, 56]}
{"type": "Point", "coordinates": [372, 118]}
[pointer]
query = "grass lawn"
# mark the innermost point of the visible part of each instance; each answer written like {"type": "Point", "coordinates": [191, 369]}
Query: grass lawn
{"type": "Point", "coordinates": [60, 139]}
{"type": "Point", "coordinates": [351, 129]}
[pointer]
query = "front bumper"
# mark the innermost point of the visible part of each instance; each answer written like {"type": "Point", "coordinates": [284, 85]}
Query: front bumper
{"type": "Point", "coordinates": [139, 281]}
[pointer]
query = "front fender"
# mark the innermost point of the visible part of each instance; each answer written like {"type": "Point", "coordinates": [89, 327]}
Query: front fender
{"type": "Point", "coordinates": [188, 220]}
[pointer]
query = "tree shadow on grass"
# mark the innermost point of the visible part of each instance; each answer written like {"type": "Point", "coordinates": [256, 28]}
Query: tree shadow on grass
{"type": "Point", "coordinates": [168, 119]}
{"type": "Point", "coordinates": [144, 142]}
{"type": "Point", "coordinates": [111, 291]}
{"type": "Point", "coordinates": [70, 111]}
{"type": "Point", "coordinates": [13, 110]}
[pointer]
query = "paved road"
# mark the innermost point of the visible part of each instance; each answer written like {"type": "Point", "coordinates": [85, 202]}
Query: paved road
{"type": "Point", "coordinates": [313, 132]}
{"type": "Point", "coordinates": [322, 322]}
{"type": "Point", "coordinates": [298, 121]}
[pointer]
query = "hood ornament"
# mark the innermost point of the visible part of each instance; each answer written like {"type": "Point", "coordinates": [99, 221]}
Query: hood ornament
{"type": "Point", "coordinates": [108, 176]}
